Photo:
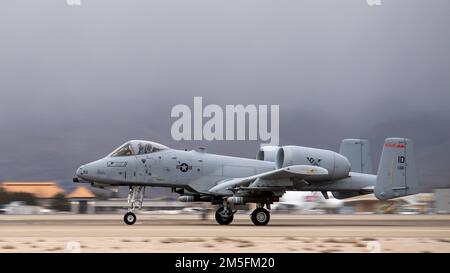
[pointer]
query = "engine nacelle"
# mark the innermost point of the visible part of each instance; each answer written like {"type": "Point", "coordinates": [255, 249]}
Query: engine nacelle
{"type": "Point", "coordinates": [337, 165]}
{"type": "Point", "coordinates": [267, 153]}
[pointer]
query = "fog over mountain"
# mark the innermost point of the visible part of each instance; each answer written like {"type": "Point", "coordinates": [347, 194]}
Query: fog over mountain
{"type": "Point", "coordinates": [76, 82]}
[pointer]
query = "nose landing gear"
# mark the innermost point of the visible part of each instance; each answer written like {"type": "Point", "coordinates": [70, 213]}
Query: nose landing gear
{"type": "Point", "coordinates": [135, 199]}
{"type": "Point", "coordinates": [129, 218]}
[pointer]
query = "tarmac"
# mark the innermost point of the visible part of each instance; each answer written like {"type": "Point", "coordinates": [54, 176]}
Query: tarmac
{"type": "Point", "coordinates": [188, 233]}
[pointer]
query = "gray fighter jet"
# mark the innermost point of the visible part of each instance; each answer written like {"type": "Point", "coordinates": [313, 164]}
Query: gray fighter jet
{"type": "Point", "coordinates": [231, 181]}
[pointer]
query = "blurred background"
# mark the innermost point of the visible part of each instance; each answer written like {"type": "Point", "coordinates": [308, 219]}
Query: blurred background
{"type": "Point", "coordinates": [24, 198]}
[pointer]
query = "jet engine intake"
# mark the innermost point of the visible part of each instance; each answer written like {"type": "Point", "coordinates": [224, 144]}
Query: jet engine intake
{"type": "Point", "coordinates": [267, 153]}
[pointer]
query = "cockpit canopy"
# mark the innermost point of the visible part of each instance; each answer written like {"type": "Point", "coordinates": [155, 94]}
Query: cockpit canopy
{"type": "Point", "coordinates": [138, 147]}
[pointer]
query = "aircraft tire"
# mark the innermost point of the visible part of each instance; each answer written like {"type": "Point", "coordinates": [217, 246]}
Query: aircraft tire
{"type": "Point", "coordinates": [129, 218]}
{"type": "Point", "coordinates": [221, 219]}
{"type": "Point", "coordinates": [260, 217]}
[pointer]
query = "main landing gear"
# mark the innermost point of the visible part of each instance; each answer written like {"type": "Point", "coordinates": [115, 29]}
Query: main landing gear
{"type": "Point", "coordinates": [224, 215]}
{"type": "Point", "coordinates": [260, 216]}
{"type": "Point", "coordinates": [135, 199]}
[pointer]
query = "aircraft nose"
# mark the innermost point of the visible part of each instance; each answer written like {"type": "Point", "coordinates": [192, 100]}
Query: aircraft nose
{"type": "Point", "coordinates": [79, 172]}
{"type": "Point", "coordinates": [87, 171]}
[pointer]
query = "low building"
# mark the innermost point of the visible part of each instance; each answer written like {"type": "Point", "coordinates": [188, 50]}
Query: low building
{"type": "Point", "coordinates": [442, 197]}
{"type": "Point", "coordinates": [82, 200]}
{"type": "Point", "coordinates": [412, 204]}
{"type": "Point", "coordinates": [43, 191]}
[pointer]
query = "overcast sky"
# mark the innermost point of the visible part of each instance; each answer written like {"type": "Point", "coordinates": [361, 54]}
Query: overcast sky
{"type": "Point", "coordinates": [76, 82]}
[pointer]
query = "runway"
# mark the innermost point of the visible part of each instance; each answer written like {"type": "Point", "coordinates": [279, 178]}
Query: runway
{"type": "Point", "coordinates": [187, 233]}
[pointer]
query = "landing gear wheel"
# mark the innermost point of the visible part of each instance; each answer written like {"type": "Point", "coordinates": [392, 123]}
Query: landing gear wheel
{"type": "Point", "coordinates": [129, 218]}
{"type": "Point", "coordinates": [224, 217]}
{"type": "Point", "coordinates": [260, 217]}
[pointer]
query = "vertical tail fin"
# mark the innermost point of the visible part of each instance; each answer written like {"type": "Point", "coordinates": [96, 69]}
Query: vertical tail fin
{"type": "Point", "coordinates": [358, 153]}
{"type": "Point", "coordinates": [397, 170]}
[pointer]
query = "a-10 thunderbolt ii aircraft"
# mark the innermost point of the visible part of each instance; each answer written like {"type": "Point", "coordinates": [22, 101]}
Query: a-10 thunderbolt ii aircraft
{"type": "Point", "coordinates": [231, 181]}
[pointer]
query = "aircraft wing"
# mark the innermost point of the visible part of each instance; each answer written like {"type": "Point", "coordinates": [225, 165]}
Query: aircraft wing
{"type": "Point", "coordinates": [268, 180]}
